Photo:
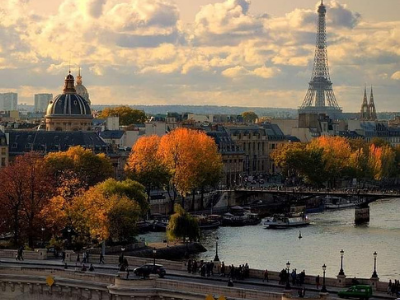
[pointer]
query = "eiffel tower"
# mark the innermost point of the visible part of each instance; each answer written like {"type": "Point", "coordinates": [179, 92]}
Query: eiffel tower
{"type": "Point", "coordinates": [320, 98]}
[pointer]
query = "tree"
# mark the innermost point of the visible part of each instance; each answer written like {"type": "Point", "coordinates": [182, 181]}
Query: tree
{"type": "Point", "coordinates": [182, 225]}
{"type": "Point", "coordinates": [89, 167]}
{"type": "Point", "coordinates": [191, 158]}
{"type": "Point", "coordinates": [249, 116]}
{"type": "Point", "coordinates": [26, 188]}
{"type": "Point", "coordinates": [127, 116]}
{"type": "Point", "coordinates": [145, 166]}
{"type": "Point", "coordinates": [336, 153]}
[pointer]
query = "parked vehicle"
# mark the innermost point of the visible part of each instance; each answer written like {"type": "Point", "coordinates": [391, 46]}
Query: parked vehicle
{"type": "Point", "coordinates": [150, 268]}
{"type": "Point", "coordinates": [357, 291]}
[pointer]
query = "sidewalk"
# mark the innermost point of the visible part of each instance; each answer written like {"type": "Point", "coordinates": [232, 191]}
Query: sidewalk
{"type": "Point", "coordinates": [113, 269]}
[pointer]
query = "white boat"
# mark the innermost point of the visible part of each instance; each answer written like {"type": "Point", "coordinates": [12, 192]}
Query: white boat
{"type": "Point", "coordinates": [335, 202]}
{"type": "Point", "coordinates": [286, 221]}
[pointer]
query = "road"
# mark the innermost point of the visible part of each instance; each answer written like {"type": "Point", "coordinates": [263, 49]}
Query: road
{"type": "Point", "coordinates": [250, 283]}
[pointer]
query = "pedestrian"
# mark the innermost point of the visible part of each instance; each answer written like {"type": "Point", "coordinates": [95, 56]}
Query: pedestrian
{"type": "Point", "coordinates": [389, 288]}
{"type": "Point", "coordinates": [230, 282]}
{"type": "Point", "coordinates": [78, 259]}
{"type": "Point", "coordinates": [265, 275]}
{"type": "Point", "coordinates": [21, 250]}
{"type": "Point", "coordinates": [101, 259]}
{"type": "Point", "coordinates": [317, 281]}
{"type": "Point", "coordinates": [91, 268]}
{"type": "Point", "coordinates": [84, 257]}
{"type": "Point", "coordinates": [294, 275]}
{"type": "Point", "coordinates": [87, 256]}
{"type": "Point", "coordinates": [189, 266]}
{"type": "Point", "coordinates": [222, 269]}
{"type": "Point", "coordinates": [63, 256]}
{"type": "Point", "coordinates": [83, 268]}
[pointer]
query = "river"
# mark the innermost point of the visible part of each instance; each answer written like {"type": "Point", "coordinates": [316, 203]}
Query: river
{"type": "Point", "coordinates": [320, 244]}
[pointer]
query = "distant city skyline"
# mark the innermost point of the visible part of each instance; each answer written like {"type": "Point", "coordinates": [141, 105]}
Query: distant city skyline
{"type": "Point", "coordinates": [229, 52]}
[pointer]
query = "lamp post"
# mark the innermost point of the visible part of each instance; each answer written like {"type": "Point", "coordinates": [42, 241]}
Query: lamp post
{"type": "Point", "coordinates": [287, 276]}
{"type": "Point", "coordinates": [42, 236]}
{"type": "Point", "coordinates": [341, 272]}
{"type": "Point", "coordinates": [216, 258]}
{"type": "Point", "coordinates": [154, 256]}
{"type": "Point", "coordinates": [375, 275]}
{"type": "Point", "coordinates": [69, 237]}
{"type": "Point", "coordinates": [323, 290]}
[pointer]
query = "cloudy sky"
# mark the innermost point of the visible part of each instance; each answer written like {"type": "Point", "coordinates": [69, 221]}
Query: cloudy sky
{"type": "Point", "coordinates": [201, 52]}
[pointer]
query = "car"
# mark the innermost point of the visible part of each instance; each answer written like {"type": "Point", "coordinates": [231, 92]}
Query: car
{"type": "Point", "coordinates": [357, 291]}
{"type": "Point", "coordinates": [148, 269]}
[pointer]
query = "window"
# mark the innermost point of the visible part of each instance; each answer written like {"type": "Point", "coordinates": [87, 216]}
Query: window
{"type": "Point", "coordinates": [3, 162]}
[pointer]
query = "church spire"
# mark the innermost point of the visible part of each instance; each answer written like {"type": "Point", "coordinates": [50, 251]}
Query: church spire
{"type": "Point", "coordinates": [372, 109]}
{"type": "Point", "coordinates": [365, 112]}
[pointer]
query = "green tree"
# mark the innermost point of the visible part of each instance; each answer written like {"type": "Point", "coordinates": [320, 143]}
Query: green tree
{"type": "Point", "coordinates": [127, 116]}
{"type": "Point", "coordinates": [89, 167]}
{"type": "Point", "coordinates": [182, 225]}
{"type": "Point", "coordinates": [249, 116]}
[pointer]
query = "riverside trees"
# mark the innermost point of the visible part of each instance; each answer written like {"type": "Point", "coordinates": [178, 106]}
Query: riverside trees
{"type": "Point", "coordinates": [183, 160]}
{"type": "Point", "coordinates": [327, 159]}
{"type": "Point", "coordinates": [67, 190]}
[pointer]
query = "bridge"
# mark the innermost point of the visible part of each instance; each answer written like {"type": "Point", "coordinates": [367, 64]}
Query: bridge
{"type": "Point", "coordinates": [286, 197]}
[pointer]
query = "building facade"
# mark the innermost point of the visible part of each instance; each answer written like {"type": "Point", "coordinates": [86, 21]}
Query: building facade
{"type": "Point", "coordinates": [3, 150]}
{"type": "Point", "coordinates": [41, 102]}
{"type": "Point", "coordinates": [8, 101]}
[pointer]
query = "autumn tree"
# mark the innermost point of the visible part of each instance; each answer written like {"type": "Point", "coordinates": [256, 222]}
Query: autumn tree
{"type": "Point", "coordinates": [191, 158]}
{"type": "Point", "coordinates": [127, 115]}
{"type": "Point", "coordinates": [182, 225]}
{"type": "Point", "coordinates": [26, 188]}
{"type": "Point", "coordinates": [336, 153]}
{"type": "Point", "coordinates": [110, 208]}
{"type": "Point", "coordinates": [145, 166]}
{"type": "Point", "coordinates": [249, 116]}
{"type": "Point", "coordinates": [89, 167]}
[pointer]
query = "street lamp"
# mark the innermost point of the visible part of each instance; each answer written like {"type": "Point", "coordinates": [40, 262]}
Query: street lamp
{"type": "Point", "coordinates": [42, 236]}
{"type": "Point", "coordinates": [154, 256]}
{"type": "Point", "coordinates": [375, 275]}
{"type": "Point", "coordinates": [341, 272]}
{"type": "Point", "coordinates": [216, 258]}
{"type": "Point", "coordinates": [287, 276]}
{"type": "Point", "coordinates": [69, 237]}
{"type": "Point", "coordinates": [323, 290]}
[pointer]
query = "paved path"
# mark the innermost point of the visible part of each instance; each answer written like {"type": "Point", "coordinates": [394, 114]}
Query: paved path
{"type": "Point", "coordinates": [249, 283]}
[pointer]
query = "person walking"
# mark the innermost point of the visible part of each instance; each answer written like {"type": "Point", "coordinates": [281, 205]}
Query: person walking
{"type": "Point", "coordinates": [317, 281]}
{"type": "Point", "coordinates": [223, 269]}
{"type": "Point", "coordinates": [265, 275]}
{"type": "Point", "coordinates": [101, 259]}
{"type": "Point", "coordinates": [63, 256]}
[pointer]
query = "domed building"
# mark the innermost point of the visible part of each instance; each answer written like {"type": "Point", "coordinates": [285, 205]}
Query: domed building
{"type": "Point", "coordinates": [68, 111]}
{"type": "Point", "coordinates": [81, 89]}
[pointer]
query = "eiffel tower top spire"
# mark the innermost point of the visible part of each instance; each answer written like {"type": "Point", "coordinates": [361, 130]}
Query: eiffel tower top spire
{"type": "Point", "coordinates": [320, 97]}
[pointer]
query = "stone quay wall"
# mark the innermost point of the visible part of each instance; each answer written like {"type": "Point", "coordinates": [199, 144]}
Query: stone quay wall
{"type": "Point", "coordinates": [30, 284]}
{"type": "Point", "coordinates": [71, 258]}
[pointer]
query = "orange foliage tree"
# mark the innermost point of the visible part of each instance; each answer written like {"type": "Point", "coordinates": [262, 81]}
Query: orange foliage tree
{"type": "Point", "coordinates": [145, 166]}
{"type": "Point", "coordinates": [26, 188]}
{"type": "Point", "coordinates": [192, 160]}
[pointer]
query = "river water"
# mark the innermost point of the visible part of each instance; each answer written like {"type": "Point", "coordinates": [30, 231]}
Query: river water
{"type": "Point", "coordinates": [320, 244]}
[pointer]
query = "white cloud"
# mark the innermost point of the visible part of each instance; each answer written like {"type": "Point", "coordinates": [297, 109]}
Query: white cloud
{"type": "Point", "coordinates": [396, 76]}
{"type": "Point", "coordinates": [141, 50]}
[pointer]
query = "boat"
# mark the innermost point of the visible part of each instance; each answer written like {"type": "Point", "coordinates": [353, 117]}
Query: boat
{"type": "Point", "coordinates": [143, 226]}
{"type": "Point", "coordinates": [229, 219]}
{"type": "Point", "coordinates": [251, 218]}
{"type": "Point", "coordinates": [283, 221]}
{"type": "Point", "coordinates": [335, 202]}
{"type": "Point", "coordinates": [208, 222]}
